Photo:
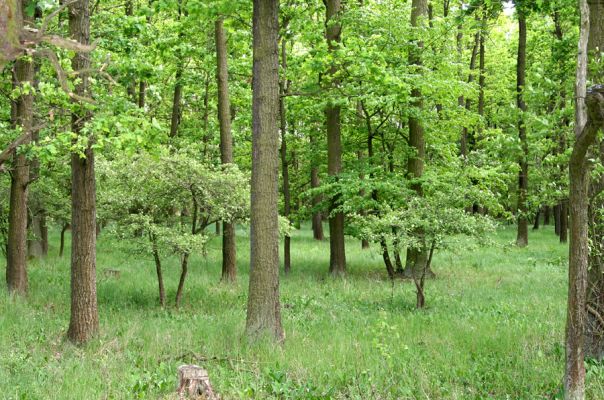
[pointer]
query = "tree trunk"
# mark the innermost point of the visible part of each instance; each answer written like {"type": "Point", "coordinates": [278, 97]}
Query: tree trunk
{"type": "Point", "coordinates": [546, 215]}
{"type": "Point", "coordinates": [416, 256]}
{"type": "Point", "coordinates": [84, 322]}
{"type": "Point", "coordinates": [537, 217]}
{"type": "Point", "coordinates": [158, 270]}
{"type": "Point", "coordinates": [317, 218]}
{"type": "Point", "coordinates": [557, 219]}
{"type": "Point", "coordinates": [564, 221]}
{"type": "Point", "coordinates": [264, 308]}
{"type": "Point", "coordinates": [594, 329]}
{"type": "Point", "coordinates": [16, 266]}
{"type": "Point", "coordinates": [229, 255]}
{"type": "Point", "coordinates": [586, 129]}
{"type": "Point", "coordinates": [66, 226]}
{"type": "Point", "coordinates": [522, 233]}
{"type": "Point", "coordinates": [283, 88]}
{"type": "Point", "coordinates": [337, 253]}
{"type": "Point", "coordinates": [184, 268]}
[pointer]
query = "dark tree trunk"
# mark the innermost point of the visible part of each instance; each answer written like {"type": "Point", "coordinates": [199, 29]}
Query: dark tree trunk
{"type": "Point", "coordinates": [564, 221]}
{"type": "Point", "coordinates": [84, 322]}
{"type": "Point", "coordinates": [387, 260]}
{"type": "Point", "coordinates": [176, 100]}
{"type": "Point", "coordinates": [64, 229]}
{"type": "Point", "coordinates": [557, 219]}
{"type": "Point", "coordinates": [264, 308]}
{"type": "Point", "coordinates": [482, 69]}
{"type": "Point", "coordinates": [158, 270]}
{"type": "Point", "coordinates": [217, 228]}
{"type": "Point", "coordinates": [416, 256]}
{"type": "Point", "coordinates": [337, 253]}
{"type": "Point", "coordinates": [229, 254]}
{"type": "Point", "coordinates": [546, 215]}
{"type": "Point", "coordinates": [142, 90]}
{"type": "Point", "coordinates": [465, 139]}
{"type": "Point", "coordinates": [184, 268]}
{"type": "Point", "coordinates": [537, 217]}
{"type": "Point", "coordinates": [522, 233]}
{"type": "Point", "coordinates": [317, 218]}
{"type": "Point", "coordinates": [283, 87]}
{"type": "Point", "coordinates": [16, 266]}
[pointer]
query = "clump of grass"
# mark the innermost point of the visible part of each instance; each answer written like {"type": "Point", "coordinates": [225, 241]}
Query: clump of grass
{"type": "Point", "coordinates": [493, 328]}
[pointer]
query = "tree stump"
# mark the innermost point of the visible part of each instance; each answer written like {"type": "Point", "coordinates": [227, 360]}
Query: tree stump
{"type": "Point", "coordinates": [194, 382]}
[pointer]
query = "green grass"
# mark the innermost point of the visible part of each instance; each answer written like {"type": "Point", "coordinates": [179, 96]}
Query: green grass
{"type": "Point", "coordinates": [493, 328]}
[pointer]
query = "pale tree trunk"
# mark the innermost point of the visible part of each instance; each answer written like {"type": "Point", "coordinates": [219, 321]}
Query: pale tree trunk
{"type": "Point", "coordinates": [84, 322]}
{"type": "Point", "coordinates": [417, 256]}
{"type": "Point", "coordinates": [283, 87]}
{"type": "Point", "coordinates": [585, 134]}
{"type": "Point", "coordinates": [337, 253]}
{"type": "Point", "coordinates": [263, 307]}
{"type": "Point", "coordinates": [594, 329]}
{"type": "Point", "coordinates": [229, 255]}
{"type": "Point", "coordinates": [16, 266]}
{"type": "Point", "coordinates": [522, 233]}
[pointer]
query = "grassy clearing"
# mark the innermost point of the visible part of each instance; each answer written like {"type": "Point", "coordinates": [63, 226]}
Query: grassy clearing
{"type": "Point", "coordinates": [493, 328]}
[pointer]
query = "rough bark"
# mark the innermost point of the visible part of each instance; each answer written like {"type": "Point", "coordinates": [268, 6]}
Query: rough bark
{"type": "Point", "coordinates": [594, 329]}
{"type": "Point", "coordinates": [416, 256]}
{"type": "Point", "coordinates": [522, 232]}
{"type": "Point", "coordinates": [16, 266]}
{"type": "Point", "coordinates": [337, 250]}
{"type": "Point", "coordinates": [585, 133]}
{"type": "Point", "coordinates": [84, 322]}
{"type": "Point", "coordinates": [229, 255]}
{"type": "Point", "coordinates": [283, 87]}
{"type": "Point", "coordinates": [264, 308]}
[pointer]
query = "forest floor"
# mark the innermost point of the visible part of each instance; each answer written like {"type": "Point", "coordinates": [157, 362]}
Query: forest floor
{"type": "Point", "coordinates": [493, 328]}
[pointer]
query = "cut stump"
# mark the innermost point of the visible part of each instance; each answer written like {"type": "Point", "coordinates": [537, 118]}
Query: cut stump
{"type": "Point", "coordinates": [194, 382]}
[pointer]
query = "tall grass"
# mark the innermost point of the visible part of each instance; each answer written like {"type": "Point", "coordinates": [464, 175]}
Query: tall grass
{"type": "Point", "coordinates": [493, 328]}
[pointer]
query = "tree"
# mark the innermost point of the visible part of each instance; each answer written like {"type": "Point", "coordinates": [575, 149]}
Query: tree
{"type": "Point", "coordinates": [589, 119]}
{"type": "Point", "coordinates": [16, 266]}
{"type": "Point", "coordinates": [337, 250]}
{"type": "Point", "coordinates": [417, 256]}
{"type": "Point", "coordinates": [594, 329]}
{"type": "Point", "coordinates": [522, 234]}
{"type": "Point", "coordinates": [84, 321]}
{"type": "Point", "coordinates": [229, 258]}
{"type": "Point", "coordinates": [264, 308]}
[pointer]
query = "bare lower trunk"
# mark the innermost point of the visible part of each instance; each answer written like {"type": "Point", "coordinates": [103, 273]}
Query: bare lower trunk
{"type": "Point", "coordinates": [564, 221]}
{"type": "Point", "coordinates": [283, 89]}
{"type": "Point", "coordinates": [229, 253]}
{"type": "Point", "coordinates": [557, 219]}
{"type": "Point", "coordinates": [84, 321]}
{"type": "Point", "coordinates": [546, 215]}
{"type": "Point", "coordinates": [337, 256]}
{"type": "Point", "coordinates": [317, 218]}
{"type": "Point", "coordinates": [522, 233]}
{"type": "Point", "coordinates": [537, 217]}
{"type": "Point", "coordinates": [264, 307]}
{"type": "Point", "coordinates": [16, 257]}
{"type": "Point", "coordinates": [158, 270]}
{"type": "Point", "coordinates": [184, 268]}
{"type": "Point", "coordinates": [387, 260]}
